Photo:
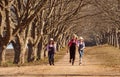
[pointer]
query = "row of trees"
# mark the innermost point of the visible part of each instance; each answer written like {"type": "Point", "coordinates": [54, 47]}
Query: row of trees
{"type": "Point", "coordinates": [110, 19]}
{"type": "Point", "coordinates": [28, 25]}
{"type": "Point", "coordinates": [104, 27]}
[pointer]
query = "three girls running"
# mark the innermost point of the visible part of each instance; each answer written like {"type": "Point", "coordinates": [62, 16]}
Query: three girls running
{"type": "Point", "coordinates": [73, 44]}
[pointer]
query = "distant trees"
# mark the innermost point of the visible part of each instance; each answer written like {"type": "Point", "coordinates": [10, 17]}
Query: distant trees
{"type": "Point", "coordinates": [110, 16]}
{"type": "Point", "coordinates": [102, 22]}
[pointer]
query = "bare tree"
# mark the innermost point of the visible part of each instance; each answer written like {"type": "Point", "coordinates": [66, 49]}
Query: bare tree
{"type": "Point", "coordinates": [10, 26]}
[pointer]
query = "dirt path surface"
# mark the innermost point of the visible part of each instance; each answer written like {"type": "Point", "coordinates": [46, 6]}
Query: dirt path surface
{"type": "Point", "coordinates": [95, 64]}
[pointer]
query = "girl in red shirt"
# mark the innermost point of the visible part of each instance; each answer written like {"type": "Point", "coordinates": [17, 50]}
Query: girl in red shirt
{"type": "Point", "coordinates": [72, 49]}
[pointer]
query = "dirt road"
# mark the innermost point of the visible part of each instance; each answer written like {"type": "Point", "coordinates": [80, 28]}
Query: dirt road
{"type": "Point", "coordinates": [94, 65]}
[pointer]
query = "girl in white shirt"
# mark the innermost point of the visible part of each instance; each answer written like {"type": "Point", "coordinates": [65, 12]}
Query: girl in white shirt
{"type": "Point", "coordinates": [81, 47]}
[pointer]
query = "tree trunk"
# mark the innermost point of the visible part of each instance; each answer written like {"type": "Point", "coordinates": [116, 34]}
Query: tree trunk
{"type": "Point", "coordinates": [22, 55]}
{"type": "Point", "coordinates": [40, 49]}
{"type": "Point", "coordinates": [35, 49]}
{"type": "Point", "coordinates": [108, 38]}
{"type": "Point", "coordinates": [97, 39]}
{"type": "Point", "coordinates": [35, 53]}
{"type": "Point", "coordinates": [117, 42]}
{"type": "Point", "coordinates": [17, 52]}
{"type": "Point", "coordinates": [2, 55]}
{"type": "Point", "coordinates": [118, 39]}
{"type": "Point", "coordinates": [63, 40]}
{"type": "Point", "coordinates": [112, 39]}
{"type": "Point", "coordinates": [23, 49]}
{"type": "Point", "coordinates": [30, 51]}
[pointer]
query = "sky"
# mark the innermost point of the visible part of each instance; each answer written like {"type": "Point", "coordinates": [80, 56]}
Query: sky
{"type": "Point", "coordinates": [10, 46]}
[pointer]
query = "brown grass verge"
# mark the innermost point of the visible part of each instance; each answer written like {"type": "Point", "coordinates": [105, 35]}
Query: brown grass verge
{"type": "Point", "coordinates": [109, 56]}
{"type": "Point", "coordinates": [43, 61]}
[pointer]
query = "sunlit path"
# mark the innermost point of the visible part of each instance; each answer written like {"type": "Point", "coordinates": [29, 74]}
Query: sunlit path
{"type": "Point", "coordinates": [91, 67]}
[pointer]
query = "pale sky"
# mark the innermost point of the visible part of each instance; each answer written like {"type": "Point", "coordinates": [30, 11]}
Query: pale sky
{"type": "Point", "coordinates": [9, 46]}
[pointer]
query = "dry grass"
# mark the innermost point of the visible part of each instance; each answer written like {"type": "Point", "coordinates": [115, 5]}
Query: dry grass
{"type": "Point", "coordinates": [10, 57]}
{"type": "Point", "coordinates": [107, 55]}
